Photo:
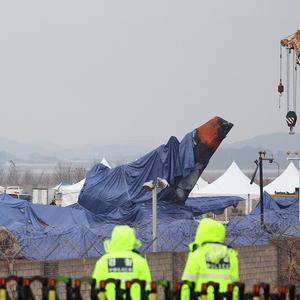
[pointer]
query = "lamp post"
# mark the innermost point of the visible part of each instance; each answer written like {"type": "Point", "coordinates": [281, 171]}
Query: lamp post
{"type": "Point", "coordinates": [275, 162]}
{"type": "Point", "coordinates": [296, 158]}
{"type": "Point", "coordinates": [12, 172]}
{"type": "Point", "coordinates": [149, 186]}
{"type": "Point", "coordinates": [12, 163]}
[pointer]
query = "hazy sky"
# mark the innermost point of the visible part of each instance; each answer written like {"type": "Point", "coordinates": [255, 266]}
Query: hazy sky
{"type": "Point", "coordinates": [78, 72]}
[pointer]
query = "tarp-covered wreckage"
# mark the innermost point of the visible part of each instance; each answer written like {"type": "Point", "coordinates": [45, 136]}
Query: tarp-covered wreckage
{"type": "Point", "coordinates": [116, 196]}
{"type": "Point", "coordinates": [280, 219]}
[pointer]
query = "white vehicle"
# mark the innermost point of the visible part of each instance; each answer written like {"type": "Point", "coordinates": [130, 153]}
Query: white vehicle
{"type": "Point", "coordinates": [17, 192]}
{"type": "Point", "coordinates": [14, 190]}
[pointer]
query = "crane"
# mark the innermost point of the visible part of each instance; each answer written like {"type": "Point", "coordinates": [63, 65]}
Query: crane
{"type": "Point", "coordinates": [292, 46]}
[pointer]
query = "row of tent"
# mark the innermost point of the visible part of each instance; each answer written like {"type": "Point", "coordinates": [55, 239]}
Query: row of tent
{"type": "Point", "coordinates": [233, 182]}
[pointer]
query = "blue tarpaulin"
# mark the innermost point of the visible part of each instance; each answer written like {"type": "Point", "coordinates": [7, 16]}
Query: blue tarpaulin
{"type": "Point", "coordinates": [114, 193]}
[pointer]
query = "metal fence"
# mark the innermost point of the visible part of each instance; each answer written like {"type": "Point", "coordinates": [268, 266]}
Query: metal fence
{"type": "Point", "coordinates": [72, 241]}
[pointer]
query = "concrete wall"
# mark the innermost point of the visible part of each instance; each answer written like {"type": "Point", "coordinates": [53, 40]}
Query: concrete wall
{"type": "Point", "coordinates": [256, 264]}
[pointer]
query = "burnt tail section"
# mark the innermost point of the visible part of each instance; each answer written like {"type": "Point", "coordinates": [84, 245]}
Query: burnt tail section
{"type": "Point", "coordinates": [206, 140]}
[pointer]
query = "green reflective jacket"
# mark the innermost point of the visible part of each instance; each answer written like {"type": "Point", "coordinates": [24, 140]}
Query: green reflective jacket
{"type": "Point", "coordinates": [120, 262]}
{"type": "Point", "coordinates": [210, 260]}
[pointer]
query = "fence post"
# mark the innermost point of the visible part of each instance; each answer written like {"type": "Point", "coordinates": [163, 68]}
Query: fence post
{"type": "Point", "coordinates": [282, 292]}
{"type": "Point", "coordinates": [26, 289]}
{"type": "Point", "coordinates": [203, 292]}
{"type": "Point", "coordinates": [102, 290]}
{"type": "Point", "coordinates": [51, 291]}
{"type": "Point", "coordinates": [127, 290]}
{"type": "Point", "coordinates": [153, 292]}
{"type": "Point", "coordinates": [178, 291]}
{"type": "Point", "coordinates": [256, 295]}
{"type": "Point", "coordinates": [2, 289]}
{"type": "Point", "coordinates": [228, 294]}
{"type": "Point", "coordinates": [77, 290]}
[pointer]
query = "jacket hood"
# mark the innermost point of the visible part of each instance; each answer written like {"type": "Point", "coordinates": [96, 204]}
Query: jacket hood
{"type": "Point", "coordinates": [209, 231]}
{"type": "Point", "coordinates": [122, 238]}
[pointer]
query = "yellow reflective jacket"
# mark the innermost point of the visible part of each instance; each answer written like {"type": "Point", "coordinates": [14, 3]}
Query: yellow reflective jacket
{"type": "Point", "coordinates": [120, 262]}
{"type": "Point", "coordinates": [210, 260]}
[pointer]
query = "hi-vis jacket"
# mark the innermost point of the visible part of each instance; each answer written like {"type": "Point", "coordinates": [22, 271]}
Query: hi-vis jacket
{"type": "Point", "coordinates": [120, 262]}
{"type": "Point", "coordinates": [210, 260]}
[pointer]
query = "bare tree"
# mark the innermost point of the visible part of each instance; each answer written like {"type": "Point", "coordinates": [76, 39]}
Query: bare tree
{"type": "Point", "coordinates": [79, 173]}
{"type": "Point", "coordinates": [2, 176]}
{"type": "Point", "coordinates": [62, 172]}
{"type": "Point", "coordinates": [13, 177]}
{"type": "Point", "coordinates": [35, 179]}
{"type": "Point", "coordinates": [42, 178]}
{"type": "Point", "coordinates": [289, 259]}
{"type": "Point", "coordinates": [28, 177]}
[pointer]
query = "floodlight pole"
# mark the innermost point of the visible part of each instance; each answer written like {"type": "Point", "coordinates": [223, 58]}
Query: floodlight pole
{"type": "Point", "coordinates": [149, 186]}
{"type": "Point", "coordinates": [261, 184]}
{"type": "Point", "coordinates": [296, 158]}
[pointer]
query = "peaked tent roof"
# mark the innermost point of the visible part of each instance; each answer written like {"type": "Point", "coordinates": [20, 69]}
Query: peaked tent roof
{"type": "Point", "coordinates": [286, 182]}
{"type": "Point", "coordinates": [232, 183]}
{"type": "Point", "coordinates": [105, 163]}
{"type": "Point", "coordinates": [58, 187]}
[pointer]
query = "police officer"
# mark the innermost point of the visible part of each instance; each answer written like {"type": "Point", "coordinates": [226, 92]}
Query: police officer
{"type": "Point", "coordinates": [123, 262]}
{"type": "Point", "coordinates": [210, 260]}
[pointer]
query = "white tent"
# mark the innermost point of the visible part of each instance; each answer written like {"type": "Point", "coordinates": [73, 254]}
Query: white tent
{"type": "Point", "coordinates": [286, 182]}
{"type": "Point", "coordinates": [70, 193]}
{"type": "Point", "coordinates": [201, 183]}
{"type": "Point", "coordinates": [59, 186]}
{"type": "Point", "coordinates": [232, 183]}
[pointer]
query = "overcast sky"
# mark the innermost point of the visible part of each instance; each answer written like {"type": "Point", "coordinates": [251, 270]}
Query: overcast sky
{"type": "Point", "coordinates": [78, 72]}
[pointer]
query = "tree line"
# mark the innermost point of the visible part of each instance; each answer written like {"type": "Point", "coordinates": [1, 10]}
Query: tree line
{"type": "Point", "coordinates": [62, 171]}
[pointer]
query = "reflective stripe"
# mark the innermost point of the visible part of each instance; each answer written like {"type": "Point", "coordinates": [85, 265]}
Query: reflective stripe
{"type": "Point", "coordinates": [188, 276]}
{"type": "Point", "coordinates": [125, 279]}
{"type": "Point", "coordinates": [148, 282]}
{"type": "Point", "coordinates": [217, 276]}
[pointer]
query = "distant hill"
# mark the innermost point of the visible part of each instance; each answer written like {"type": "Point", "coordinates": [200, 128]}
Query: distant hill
{"type": "Point", "coordinates": [275, 142]}
{"type": "Point", "coordinates": [244, 153]}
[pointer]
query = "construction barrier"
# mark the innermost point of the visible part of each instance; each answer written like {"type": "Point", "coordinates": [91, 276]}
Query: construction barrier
{"type": "Point", "coordinates": [261, 291]}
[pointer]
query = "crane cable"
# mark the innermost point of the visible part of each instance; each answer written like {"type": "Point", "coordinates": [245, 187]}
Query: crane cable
{"type": "Point", "coordinates": [288, 79]}
{"type": "Point", "coordinates": [280, 87]}
{"type": "Point", "coordinates": [295, 82]}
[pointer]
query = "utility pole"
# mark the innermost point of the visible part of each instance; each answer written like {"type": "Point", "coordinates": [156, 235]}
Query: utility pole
{"type": "Point", "coordinates": [261, 182]}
